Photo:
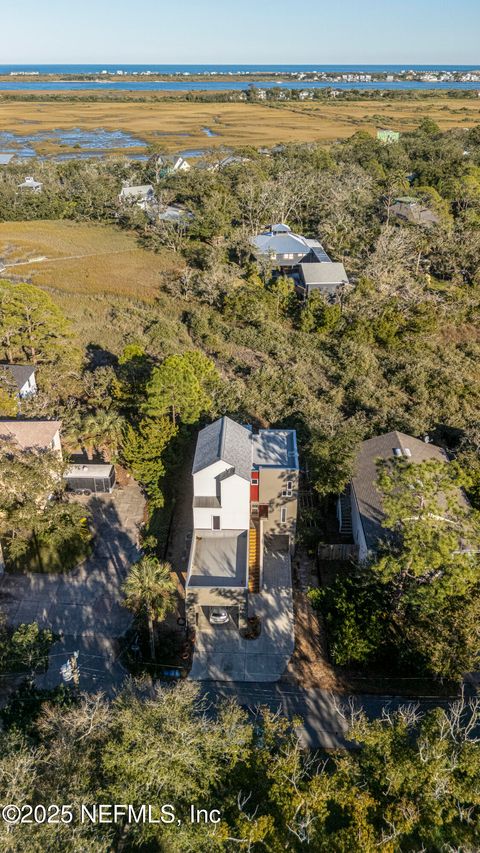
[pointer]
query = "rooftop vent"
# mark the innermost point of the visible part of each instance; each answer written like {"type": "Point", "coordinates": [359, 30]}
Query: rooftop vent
{"type": "Point", "coordinates": [407, 452]}
{"type": "Point", "coordinates": [397, 451]}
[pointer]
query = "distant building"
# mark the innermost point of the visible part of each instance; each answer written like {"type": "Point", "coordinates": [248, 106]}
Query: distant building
{"type": "Point", "coordinates": [31, 184]}
{"type": "Point", "coordinates": [6, 158]}
{"type": "Point", "coordinates": [304, 259]}
{"type": "Point", "coordinates": [232, 160]}
{"type": "Point", "coordinates": [23, 375]}
{"type": "Point", "coordinates": [414, 211]}
{"type": "Point", "coordinates": [387, 136]}
{"type": "Point", "coordinates": [175, 213]}
{"type": "Point", "coordinates": [141, 196]}
{"type": "Point", "coordinates": [170, 164]}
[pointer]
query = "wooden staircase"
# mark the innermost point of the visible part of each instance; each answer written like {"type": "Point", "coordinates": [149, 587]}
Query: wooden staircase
{"type": "Point", "coordinates": [254, 559]}
{"type": "Point", "coordinates": [346, 506]}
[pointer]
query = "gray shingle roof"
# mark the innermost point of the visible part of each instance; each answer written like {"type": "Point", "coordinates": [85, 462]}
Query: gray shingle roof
{"type": "Point", "coordinates": [323, 273]}
{"type": "Point", "coordinates": [227, 441]}
{"type": "Point", "coordinates": [364, 481]}
{"type": "Point", "coordinates": [20, 373]}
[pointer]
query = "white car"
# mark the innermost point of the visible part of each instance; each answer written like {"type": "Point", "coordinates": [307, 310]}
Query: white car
{"type": "Point", "coordinates": [218, 616]}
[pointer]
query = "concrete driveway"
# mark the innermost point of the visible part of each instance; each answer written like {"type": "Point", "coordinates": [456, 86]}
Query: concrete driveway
{"type": "Point", "coordinates": [84, 605]}
{"type": "Point", "coordinates": [221, 654]}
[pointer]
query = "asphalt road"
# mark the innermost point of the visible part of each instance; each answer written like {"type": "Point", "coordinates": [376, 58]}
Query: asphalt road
{"type": "Point", "coordinates": [324, 715]}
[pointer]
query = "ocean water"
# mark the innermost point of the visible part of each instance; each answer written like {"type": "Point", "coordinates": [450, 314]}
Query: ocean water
{"type": "Point", "coordinates": [184, 71]}
{"type": "Point", "coordinates": [228, 69]}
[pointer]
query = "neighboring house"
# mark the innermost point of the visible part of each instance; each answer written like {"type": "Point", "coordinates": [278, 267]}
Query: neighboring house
{"type": "Point", "coordinates": [175, 213]}
{"type": "Point", "coordinates": [232, 160]}
{"type": "Point", "coordinates": [32, 434]}
{"type": "Point", "coordinates": [305, 260]}
{"type": "Point", "coordinates": [31, 184]}
{"type": "Point", "coordinates": [5, 158]}
{"type": "Point", "coordinates": [142, 196]}
{"type": "Point", "coordinates": [387, 136]}
{"type": "Point", "coordinates": [23, 375]}
{"type": "Point", "coordinates": [171, 164]}
{"type": "Point", "coordinates": [245, 489]}
{"type": "Point", "coordinates": [359, 508]}
{"type": "Point", "coordinates": [413, 210]}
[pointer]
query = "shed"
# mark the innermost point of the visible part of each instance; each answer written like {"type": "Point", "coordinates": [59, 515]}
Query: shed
{"type": "Point", "coordinates": [90, 477]}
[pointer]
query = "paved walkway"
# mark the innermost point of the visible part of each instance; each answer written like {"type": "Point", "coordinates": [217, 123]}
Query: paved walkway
{"type": "Point", "coordinates": [84, 605]}
{"type": "Point", "coordinates": [324, 716]}
{"type": "Point", "coordinates": [221, 654]}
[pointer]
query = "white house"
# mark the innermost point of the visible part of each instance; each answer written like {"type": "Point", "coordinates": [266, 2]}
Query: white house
{"type": "Point", "coordinates": [31, 184]}
{"type": "Point", "coordinates": [142, 196]}
{"type": "Point", "coordinates": [245, 489]}
{"type": "Point", "coordinates": [23, 375]}
{"type": "Point", "coordinates": [171, 164]}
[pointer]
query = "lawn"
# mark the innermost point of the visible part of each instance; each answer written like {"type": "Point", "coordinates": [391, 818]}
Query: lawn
{"type": "Point", "coordinates": [177, 125]}
{"type": "Point", "coordinates": [84, 258]}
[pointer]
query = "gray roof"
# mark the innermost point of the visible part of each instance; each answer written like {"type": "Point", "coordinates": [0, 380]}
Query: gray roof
{"type": "Point", "coordinates": [5, 159]}
{"type": "Point", "coordinates": [280, 243]}
{"type": "Point", "coordinates": [20, 373]}
{"type": "Point", "coordinates": [323, 273]}
{"type": "Point", "coordinates": [225, 441]}
{"type": "Point", "coordinates": [364, 481]}
{"type": "Point", "coordinates": [219, 559]}
{"type": "Point", "coordinates": [142, 191]}
{"type": "Point", "coordinates": [31, 184]}
{"type": "Point", "coordinates": [174, 213]}
{"type": "Point", "coordinates": [275, 448]}
{"type": "Point", "coordinates": [88, 469]}
{"type": "Point", "coordinates": [414, 210]}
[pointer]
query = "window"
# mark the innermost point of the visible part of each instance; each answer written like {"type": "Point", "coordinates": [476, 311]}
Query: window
{"type": "Point", "coordinates": [283, 515]}
{"type": "Point", "coordinates": [215, 522]}
{"type": "Point", "coordinates": [254, 478]}
{"type": "Point", "coordinates": [288, 490]}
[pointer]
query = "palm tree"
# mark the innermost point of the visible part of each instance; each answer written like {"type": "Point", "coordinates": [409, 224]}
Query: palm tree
{"type": "Point", "coordinates": [102, 431]}
{"type": "Point", "coordinates": [149, 589]}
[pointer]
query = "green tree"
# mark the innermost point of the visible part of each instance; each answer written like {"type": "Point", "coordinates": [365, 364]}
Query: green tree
{"type": "Point", "coordinates": [102, 431]}
{"type": "Point", "coordinates": [432, 555]}
{"type": "Point", "coordinates": [180, 387]}
{"type": "Point", "coordinates": [31, 325]}
{"type": "Point", "coordinates": [143, 450]}
{"type": "Point", "coordinates": [33, 508]}
{"type": "Point", "coordinates": [8, 395]}
{"type": "Point", "coordinates": [150, 591]}
{"type": "Point", "coordinates": [28, 648]}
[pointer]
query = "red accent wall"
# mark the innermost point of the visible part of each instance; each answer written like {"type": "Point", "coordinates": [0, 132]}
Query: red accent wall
{"type": "Point", "coordinates": [254, 488]}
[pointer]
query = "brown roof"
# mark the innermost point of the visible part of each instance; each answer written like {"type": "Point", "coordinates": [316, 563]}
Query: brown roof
{"type": "Point", "coordinates": [364, 481]}
{"type": "Point", "coordinates": [31, 433]}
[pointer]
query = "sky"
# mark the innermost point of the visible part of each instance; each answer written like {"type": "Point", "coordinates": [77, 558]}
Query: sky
{"type": "Point", "coordinates": [246, 31]}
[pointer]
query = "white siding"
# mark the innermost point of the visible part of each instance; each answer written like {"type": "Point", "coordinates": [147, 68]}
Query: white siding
{"type": "Point", "coordinates": [234, 496]}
